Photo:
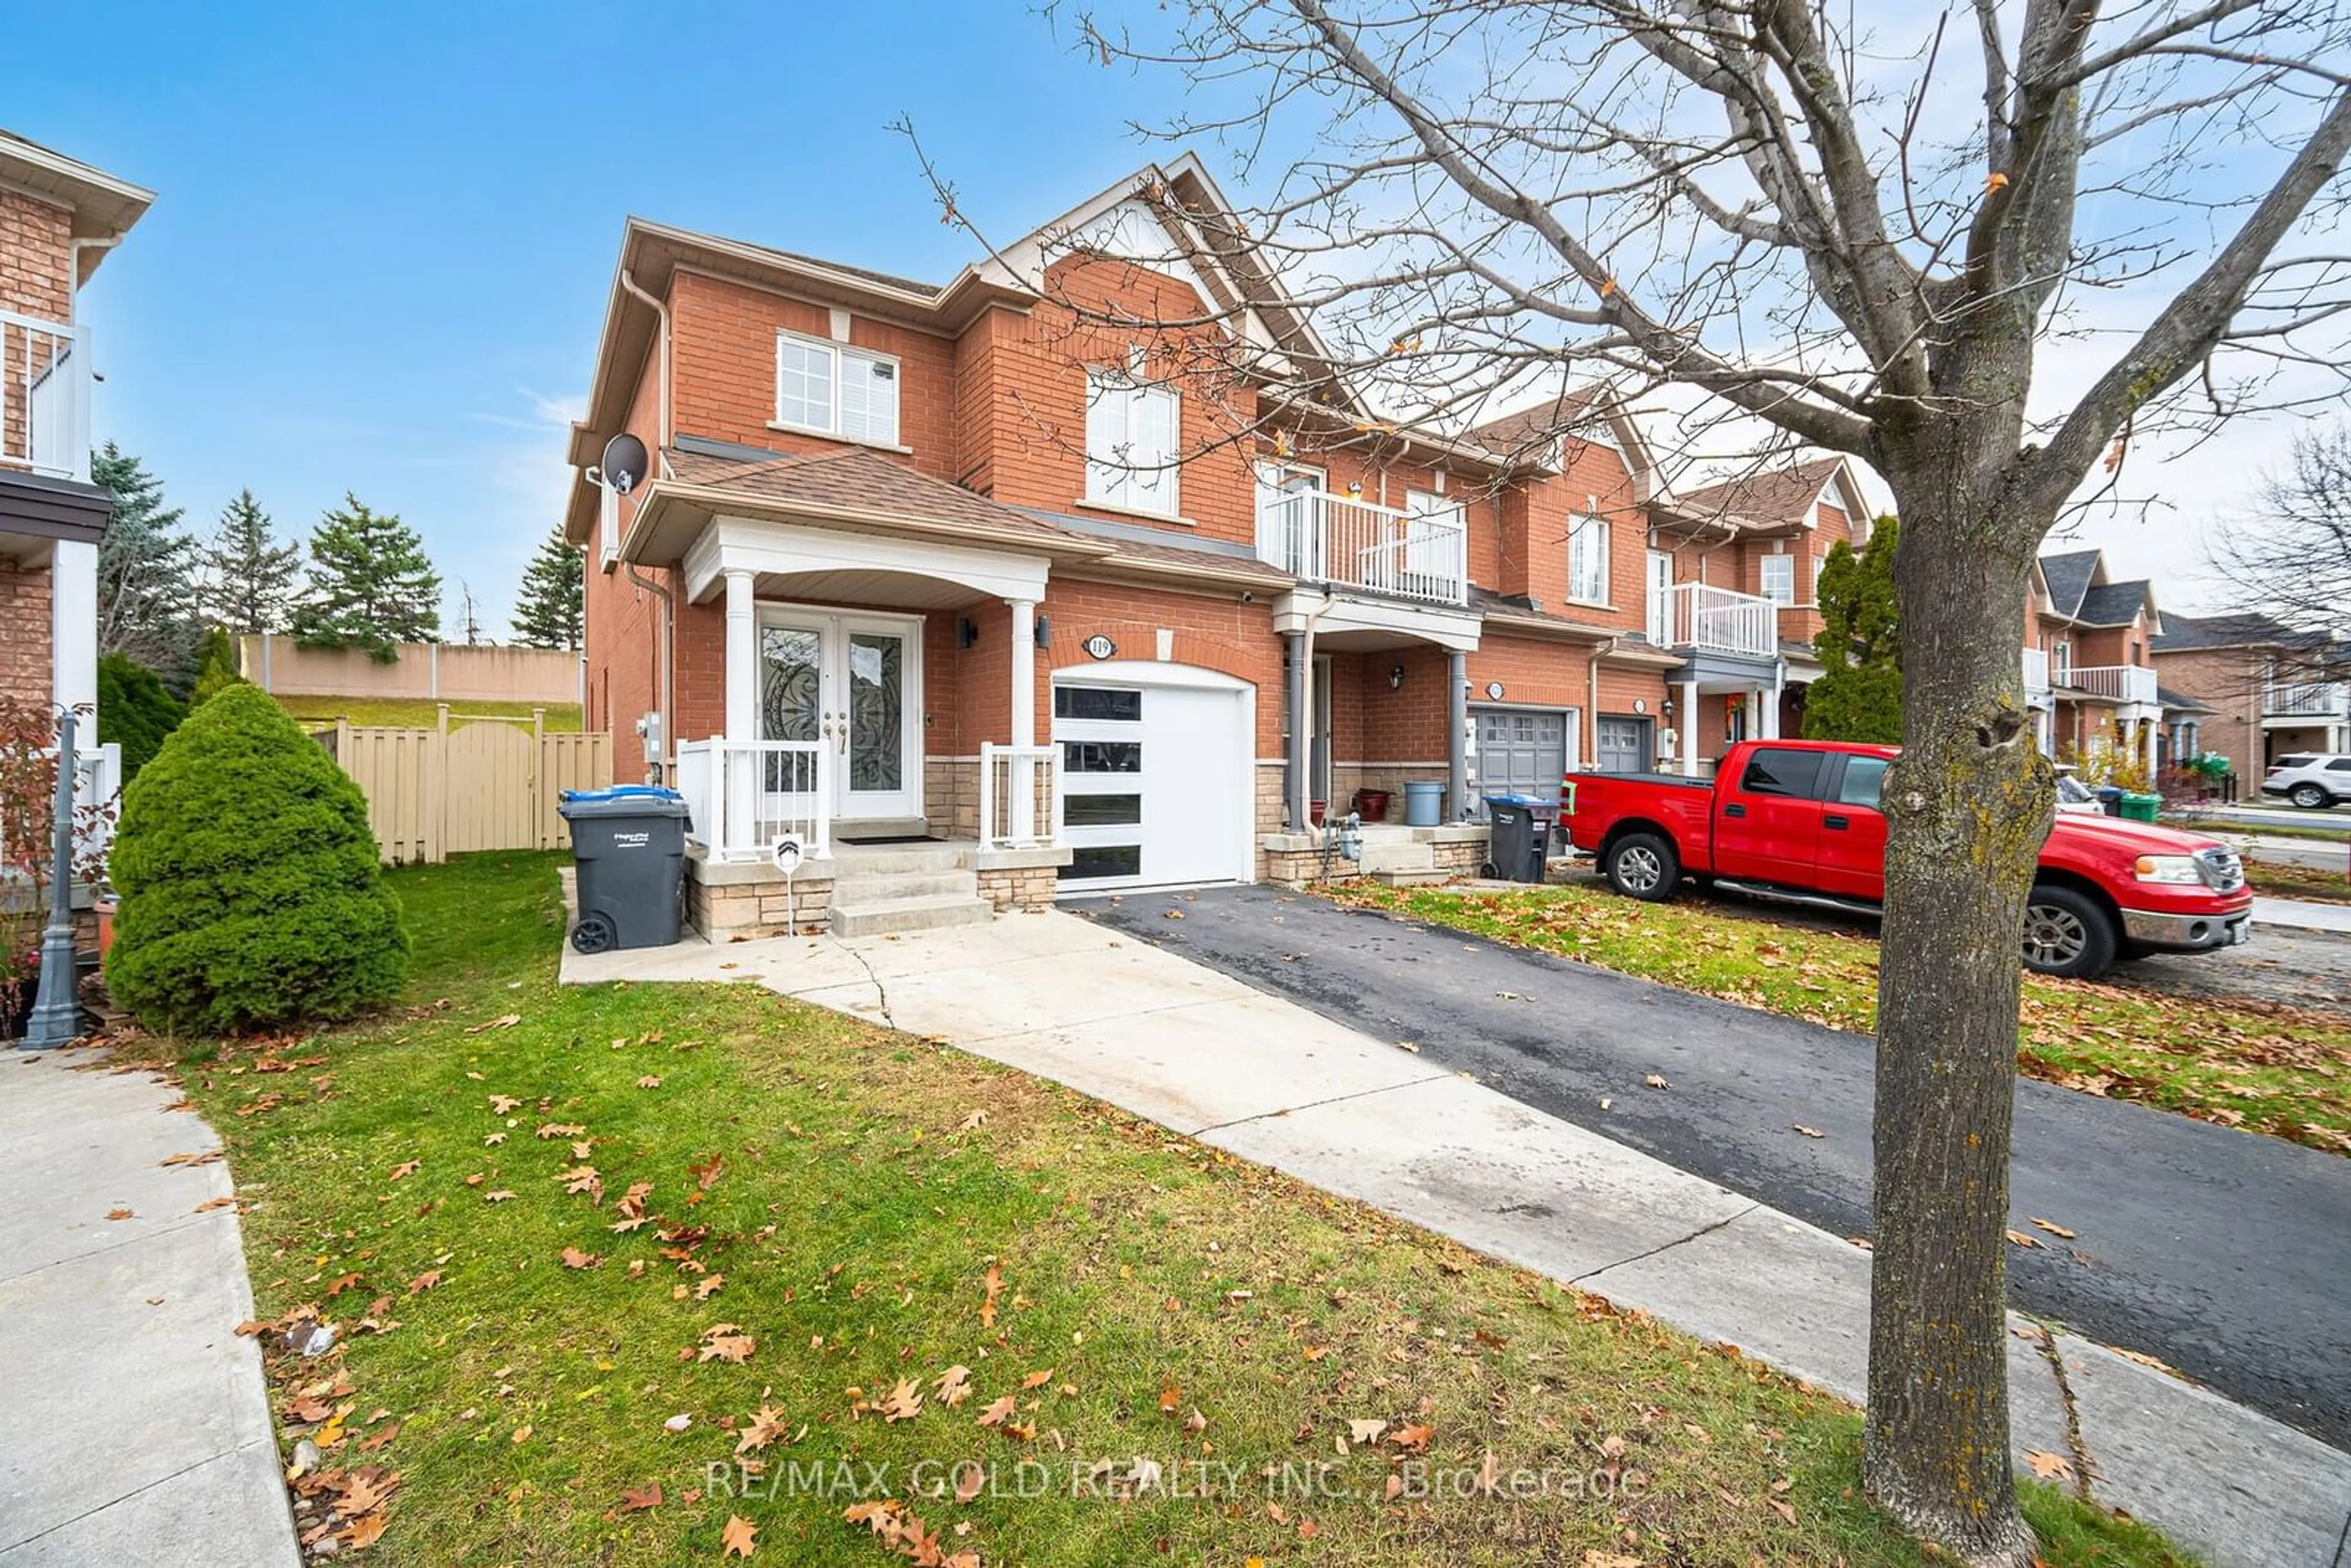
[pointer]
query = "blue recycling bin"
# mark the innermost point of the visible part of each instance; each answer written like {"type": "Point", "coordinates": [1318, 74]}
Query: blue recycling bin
{"type": "Point", "coordinates": [628, 848]}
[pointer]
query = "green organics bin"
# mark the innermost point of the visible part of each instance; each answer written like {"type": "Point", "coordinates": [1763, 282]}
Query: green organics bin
{"type": "Point", "coordinates": [2140, 808]}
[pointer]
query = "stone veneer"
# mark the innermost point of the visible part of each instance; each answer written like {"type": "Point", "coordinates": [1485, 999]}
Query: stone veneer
{"type": "Point", "coordinates": [742, 900]}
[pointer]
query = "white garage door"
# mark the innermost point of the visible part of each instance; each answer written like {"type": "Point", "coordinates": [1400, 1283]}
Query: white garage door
{"type": "Point", "coordinates": [1156, 783]}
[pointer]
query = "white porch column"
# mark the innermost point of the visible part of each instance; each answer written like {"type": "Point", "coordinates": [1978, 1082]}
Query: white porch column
{"type": "Point", "coordinates": [2154, 738]}
{"type": "Point", "coordinates": [1772, 699]}
{"type": "Point", "coordinates": [1689, 729]}
{"type": "Point", "coordinates": [73, 630]}
{"type": "Point", "coordinates": [1021, 817]}
{"type": "Point", "coordinates": [742, 707]}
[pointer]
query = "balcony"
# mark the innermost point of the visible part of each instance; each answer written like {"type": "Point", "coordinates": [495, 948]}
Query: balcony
{"type": "Point", "coordinates": [2036, 675]}
{"type": "Point", "coordinates": [2305, 699]}
{"type": "Point", "coordinates": [2118, 683]}
{"type": "Point", "coordinates": [1709, 620]}
{"type": "Point", "coordinates": [1348, 543]}
{"type": "Point", "coordinates": [43, 396]}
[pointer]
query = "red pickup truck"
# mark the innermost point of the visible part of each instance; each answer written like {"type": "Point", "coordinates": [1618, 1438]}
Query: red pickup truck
{"type": "Point", "coordinates": [1798, 821]}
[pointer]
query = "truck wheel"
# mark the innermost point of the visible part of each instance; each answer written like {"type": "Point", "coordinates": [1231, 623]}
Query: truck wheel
{"type": "Point", "coordinates": [2067, 933]}
{"type": "Point", "coordinates": [1643, 866]}
{"type": "Point", "coordinates": [2311, 797]}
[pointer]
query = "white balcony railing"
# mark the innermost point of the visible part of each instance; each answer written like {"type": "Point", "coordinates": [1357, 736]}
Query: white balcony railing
{"type": "Point", "coordinates": [2314, 699]}
{"type": "Point", "coordinates": [743, 795]}
{"type": "Point", "coordinates": [2036, 673]}
{"type": "Point", "coordinates": [2121, 683]}
{"type": "Point", "coordinates": [1020, 788]}
{"type": "Point", "coordinates": [1349, 543]}
{"type": "Point", "coordinates": [1712, 619]}
{"type": "Point", "coordinates": [43, 396]}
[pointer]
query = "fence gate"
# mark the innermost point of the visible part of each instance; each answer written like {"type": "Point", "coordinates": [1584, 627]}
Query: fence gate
{"type": "Point", "coordinates": [487, 784]}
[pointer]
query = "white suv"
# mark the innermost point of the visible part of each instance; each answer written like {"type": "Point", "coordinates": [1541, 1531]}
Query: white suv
{"type": "Point", "coordinates": [2311, 779]}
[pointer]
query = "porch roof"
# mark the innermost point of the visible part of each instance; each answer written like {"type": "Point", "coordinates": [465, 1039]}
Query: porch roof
{"type": "Point", "coordinates": [852, 488]}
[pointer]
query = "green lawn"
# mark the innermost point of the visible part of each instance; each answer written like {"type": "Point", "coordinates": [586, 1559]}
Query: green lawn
{"type": "Point", "coordinates": [420, 713]}
{"type": "Point", "coordinates": [2280, 879]}
{"type": "Point", "coordinates": [2264, 1067]}
{"type": "Point", "coordinates": [842, 1226]}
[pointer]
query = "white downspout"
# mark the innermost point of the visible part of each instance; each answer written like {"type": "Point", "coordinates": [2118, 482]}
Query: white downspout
{"type": "Point", "coordinates": [1592, 711]}
{"type": "Point", "coordinates": [1305, 804]}
{"type": "Point", "coordinates": [661, 313]}
{"type": "Point", "coordinates": [667, 684]}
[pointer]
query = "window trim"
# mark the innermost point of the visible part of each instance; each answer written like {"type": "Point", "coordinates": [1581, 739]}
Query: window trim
{"type": "Point", "coordinates": [1763, 579]}
{"type": "Point", "coordinates": [837, 354]}
{"type": "Point", "coordinates": [1590, 521]}
{"type": "Point", "coordinates": [1100, 472]}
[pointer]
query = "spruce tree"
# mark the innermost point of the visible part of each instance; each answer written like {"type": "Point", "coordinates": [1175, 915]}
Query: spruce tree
{"type": "Point", "coordinates": [1859, 694]}
{"type": "Point", "coordinates": [249, 579]}
{"type": "Point", "coordinates": [215, 666]}
{"type": "Point", "coordinates": [146, 587]}
{"type": "Point", "coordinates": [549, 608]}
{"type": "Point", "coordinates": [371, 585]}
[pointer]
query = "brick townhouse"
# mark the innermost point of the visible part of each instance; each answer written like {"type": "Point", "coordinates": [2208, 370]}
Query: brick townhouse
{"type": "Point", "coordinates": [972, 592]}
{"type": "Point", "coordinates": [59, 219]}
{"type": "Point", "coordinates": [2263, 690]}
{"type": "Point", "coordinates": [2090, 676]}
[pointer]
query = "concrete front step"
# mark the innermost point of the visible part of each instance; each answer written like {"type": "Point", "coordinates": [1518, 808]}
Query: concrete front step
{"type": "Point", "coordinates": [931, 912]}
{"type": "Point", "coordinates": [857, 860]}
{"type": "Point", "coordinates": [1428, 878]}
{"type": "Point", "coordinates": [862, 886]}
{"type": "Point", "coordinates": [1409, 855]}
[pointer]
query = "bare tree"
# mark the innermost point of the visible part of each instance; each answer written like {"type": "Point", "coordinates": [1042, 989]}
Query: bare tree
{"type": "Point", "coordinates": [2290, 560]}
{"type": "Point", "coordinates": [1867, 241]}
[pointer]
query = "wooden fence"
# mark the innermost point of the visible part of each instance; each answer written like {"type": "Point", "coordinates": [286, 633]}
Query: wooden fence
{"type": "Point", "coordinates": [484, 784]}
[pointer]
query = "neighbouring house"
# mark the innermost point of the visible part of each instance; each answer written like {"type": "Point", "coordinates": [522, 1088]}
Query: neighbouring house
{"type": "Point", "coordinates": [2265, 689]}
{"type": "Point", "coordinates": [2089, 664]}
{"type": "Point", "coordinates": [961, 590]}
{"type": "Point", "coordinates": [59, 219]}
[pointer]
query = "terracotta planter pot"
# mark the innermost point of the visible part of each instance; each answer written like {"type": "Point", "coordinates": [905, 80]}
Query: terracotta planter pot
{"type": "Point", "coordinates": [1372, 804]}
{"type": "Point", "coordinates": [1314, 810]}
{"type": "Point", "coordinates": [104, 909]}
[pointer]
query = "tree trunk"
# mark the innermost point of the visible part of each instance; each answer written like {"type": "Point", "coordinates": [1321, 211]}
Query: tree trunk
{"type": "Point", "coordinates": [1968, 805]}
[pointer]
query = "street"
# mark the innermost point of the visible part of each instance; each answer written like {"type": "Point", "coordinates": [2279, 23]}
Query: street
{"type": "Point", "coordinates": [2223, 1253]}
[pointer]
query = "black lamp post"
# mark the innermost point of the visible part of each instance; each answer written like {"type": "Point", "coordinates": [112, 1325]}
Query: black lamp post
{"type": "Point", "coordinates": [57, 1009]}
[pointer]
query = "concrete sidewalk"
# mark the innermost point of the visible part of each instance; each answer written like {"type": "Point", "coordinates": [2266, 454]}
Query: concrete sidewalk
{"type": "Point", "coordinates": [1213, 1058]}
{"type": "Point", "coordinates": [135, 1424]}
{"type": "Point", "coordinates": [2334, 919]}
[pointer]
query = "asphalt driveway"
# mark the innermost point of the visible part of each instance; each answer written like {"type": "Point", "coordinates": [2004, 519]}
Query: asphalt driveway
{"type": "Point", "coordinates": [2226, 1254]}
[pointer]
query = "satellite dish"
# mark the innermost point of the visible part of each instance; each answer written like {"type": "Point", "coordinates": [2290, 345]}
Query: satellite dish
{"type": "Point", "coordinates": [626, 463]}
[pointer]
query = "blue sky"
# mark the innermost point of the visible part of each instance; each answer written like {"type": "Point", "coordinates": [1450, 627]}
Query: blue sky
{"type": "Point", "coordinates": [383, 234]}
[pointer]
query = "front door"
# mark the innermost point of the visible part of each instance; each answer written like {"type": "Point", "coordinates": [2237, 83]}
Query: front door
{"type": "Point", "coordinates": [1661, 582]}
{"type": "Point", "coordinates": [851, 684]}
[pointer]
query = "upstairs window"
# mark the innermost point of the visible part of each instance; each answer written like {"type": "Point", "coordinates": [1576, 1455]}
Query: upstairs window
{"type": "Point", "coordinates": [1780, 579]}
{"type": "Point", "coordinates": [1587, 560]}
{"type": "Point", "coordinates": [1132, 442]}
{"type": "Point", "coordinates": [835, 389]}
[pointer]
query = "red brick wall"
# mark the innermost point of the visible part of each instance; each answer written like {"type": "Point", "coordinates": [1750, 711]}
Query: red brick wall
{"type": "Point", "coordinates": [35, 279]}
{"type": "Point", "coordinates": [25, 663]}
{"type": "Point", "coordinates": [622, 637]}
{"type": "Point", "coordinates": [724, 362]}
{"type": "Point", "coordinates": [2230, 680]}
{"type": "Point", "coordinates": [1213, 632]}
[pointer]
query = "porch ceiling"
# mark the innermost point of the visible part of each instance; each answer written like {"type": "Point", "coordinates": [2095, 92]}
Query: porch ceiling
{"type": "Point", "coordinates": [785, 560]}
{"type": "Point", "coordinates": [891, 590]}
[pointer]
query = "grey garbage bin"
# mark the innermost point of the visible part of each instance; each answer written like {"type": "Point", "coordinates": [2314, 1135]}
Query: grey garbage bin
{"type": "Point", "coordinates": [1423, 803]}
{"type": "Point", "coordinates": [628, 843]}
{"type": "Point", "coordinates": [1521, 842]}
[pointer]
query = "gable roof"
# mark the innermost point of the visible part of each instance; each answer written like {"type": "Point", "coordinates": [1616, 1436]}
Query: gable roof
{"type": "Point", "coordinates": [2069, 577]}
{"type": "Point", "coordinates": [1770, 498]}
{"type": "Point", "coordinates": [2114, 603]}
{"type": "Point", "coordinates": [103, 206]}
{"type": "Point", "coordinates": [2186, 633]}
{"type": "Point", "coordinates": [1577, 413]}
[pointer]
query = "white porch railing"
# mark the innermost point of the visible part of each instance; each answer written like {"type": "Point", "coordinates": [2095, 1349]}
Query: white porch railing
{"type": "Point", "coordinates": [2122, 682]}
{"type": "Point", "coordinates": [43, 396]}
{"type": "Point", "coordinates": [1353, 544]}
{"type": "Point", "coordinates": [1020, 795]}
{"type": "Point", "coordinates": [98, 799]}
{"type": "Point", "coordinates": [743, 795]}
{"type": "Point", "coordinates": [1716, 620]}
{"type": "Point", "coordinates": [2036, 674]}
{"type": "Point", "coordinates": [2314, 699]}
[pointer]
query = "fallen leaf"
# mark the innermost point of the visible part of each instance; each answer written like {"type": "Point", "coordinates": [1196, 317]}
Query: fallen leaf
{"type": "Point", "coordinates": [970, 1477]}
{"type": "Point", "coordinates": [1412, 1438]}
{"type": "Point", "coordinates": [975, 1120]}
{"type": "Point", "coordinates": [739, 1537]}
{"type": "Point", "coordinates": [997, 1414]}
{"type": "Point", "coordinates": [502, 1103]}
{"type": "Point", "coordinates": [501, 1195]}
{"type": "Point", "coordinates": [119, 1214]}
{"type": "Point", "coordinates": [1655, 1082]}
{"type": "Point", "coordinates": [425, 1281]}
{"type": "Point", "coordinates": [906, 1401]}
{"type": "Point", "coordinates": [504, 1020]}
{"type": "Point", "coordinates": [1365, 1431]}
{"type": "Point", "coordinates": [636, 1500]}
{"type": "Point", "coordinates": [1808, 1132]}
{"type": "Point", "coordinates": [575, 1259]}
{"type": "Point", "coordinates": [2022, 1239]}
{"type": "Point", "coordinates": [765, 1428]}
{"type": "Point", "coordinates": [1038, 1379]}
{"type": "Point", "coordinates": [710, 1286]}
{"type": "Point", "coordinates": [212, 1203]}
{"type": "Point", "coordinates": [954, 1385]}
{"type": "Point", "coordinates": [650, 1081]}
{"type": "Point", "coordinates": [2054, 1229]}
{"type": "Point", "coordinates": [1171, 1399]}
{"type": "Point", "coordinates": [993, 1283]}
{"type": "Point", "coordinates": [406, 1168]}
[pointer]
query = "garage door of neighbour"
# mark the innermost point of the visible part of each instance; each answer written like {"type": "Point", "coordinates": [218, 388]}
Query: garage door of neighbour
{"type": "Point", "coordinates": [1152, 788]}
{"type": "Point", "coordinates": [1623, 745]}
{"type": "Point", "coordinates": [1520, 753]}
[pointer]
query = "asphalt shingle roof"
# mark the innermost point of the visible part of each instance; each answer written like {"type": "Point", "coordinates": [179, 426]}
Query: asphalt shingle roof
{"type": "Point", "coordinates": [2183, 634]}
{"type": "Point", "coordinates": [1777, 495]}
{"type": "Point", "coordinates": [860, 481]}
{"type": "Point", "coordinates": [2112, 604]}
{"type": "Point", "coordinates": [2068, 576]}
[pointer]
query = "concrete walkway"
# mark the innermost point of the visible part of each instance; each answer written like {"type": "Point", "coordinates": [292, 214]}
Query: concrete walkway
{"type": "Point", "coordinates": [2334, 919]}
{"type": "Point", "coordinates": [134, 1425]}
{"type": "Point", "coordinates": [1215, 1059]}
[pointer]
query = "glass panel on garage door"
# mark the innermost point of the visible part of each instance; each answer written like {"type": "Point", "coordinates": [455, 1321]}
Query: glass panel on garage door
{"type": "Point", "coordinates": [1520, 752]}
{"type": "Point", "coordinates": [1623, 745]}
